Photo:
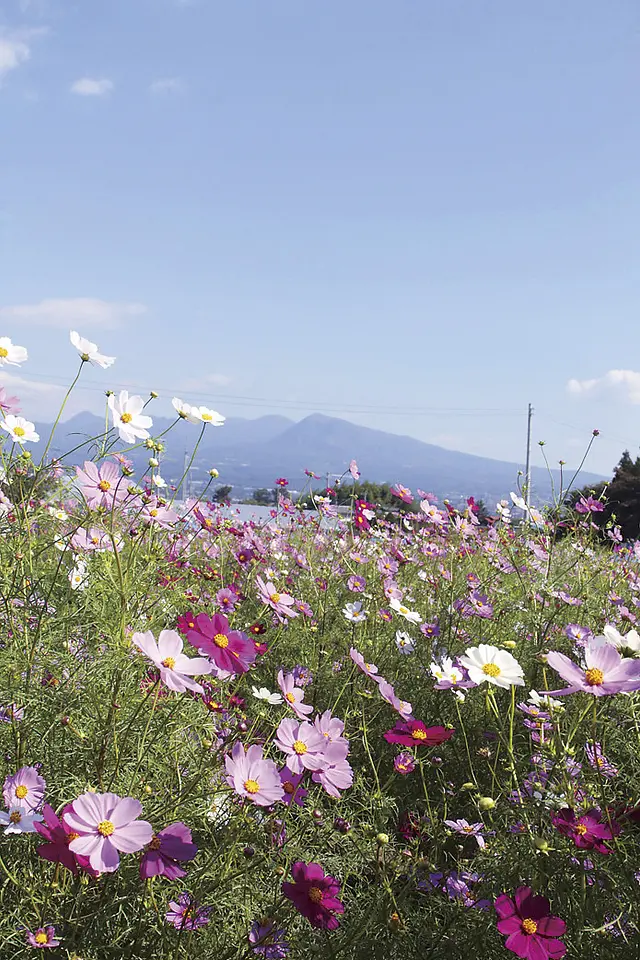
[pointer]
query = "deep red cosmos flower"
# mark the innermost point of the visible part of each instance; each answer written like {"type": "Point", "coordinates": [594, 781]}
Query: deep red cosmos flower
{"type": "Point", "coordinates": [530, 931]}
{"type": "Point", "coordinates": [587, 831]}
{"type": "Point", "coordinates": [314, 895]}
{"type": "Point", "coordinates": [413, 733]}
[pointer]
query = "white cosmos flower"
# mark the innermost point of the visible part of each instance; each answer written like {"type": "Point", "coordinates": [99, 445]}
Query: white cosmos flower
{"type": "Point", "coordinates": [128, 418]}
{"type": "Point", "coordinates": [184, 410]}
{"type": "Point", "coordinates": [629, 642]}
{"type": "Point", "coordinates": [486, 662]}
{"type": "Point", "coordinates": [78, 576]}
{"type": "Point", "coordinates": [204, 415]}
{"type": "Point", "coordinates": [354, 612]}
{"type": "Point", "coordinates": [264, 694]}
{"type": "Point", "coordinates": [411, 615]}
{"type": "Point", "coordinates": [9, 353]}
{"type": "Point", "coordinates": [19, 429]}
{"type": "Point", "coordinates": [158, 481]}
{"type": "Point", "coordinates": [19, 820]}
{"type": "Point", "coordinates": [543, 701]}
{"type": "Point", "coordinates": [89, 352]}
{"type": "Point", "coordinates": [404, 642]}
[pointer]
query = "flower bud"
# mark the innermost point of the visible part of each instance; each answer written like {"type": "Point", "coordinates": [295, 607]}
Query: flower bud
{"type": "Point", "coordinates": [213, 473]}
{"type": "Point", "coordinates": [382, 839]}
{"type": "Point", "coordinates": [153, 394]}
{"type": "Point", "coordinates": [468, 786]}
{"type": "Point", "coordinates": [509, 644]}
{"type": "Point", "coordinates": [486, 803]}
{"type": "Point", "coordinates": [153, 462]}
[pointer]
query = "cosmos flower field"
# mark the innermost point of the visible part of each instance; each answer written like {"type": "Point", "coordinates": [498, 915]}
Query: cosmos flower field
{"type": "Point", "coordinates": [381, 734]}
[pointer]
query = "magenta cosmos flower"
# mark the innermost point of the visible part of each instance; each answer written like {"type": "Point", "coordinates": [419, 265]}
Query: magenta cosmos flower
{"type": "Point", "coordinates": [58, 836]}
{"type": "Point", "coordinates": [293, 695]}
{"type": "Point", "coordinates": [230, 650]}
{"type": "Point", "coordinates": [302, 744]}
{"type": "Point", "coordinates": [176, 669]}
{"type": "Point", "coordinates": [413, 733]}
{"type": "Point", "coordinates": [24, 789]}
{"type": "Point", "coordinates": [186, 913]}
{"type": "Point", "coordinates": [100, 486]}
{"type": "Point", "coordinates": [43, 937]}
{"type": "Point", "coordinates": [106, 825]}
{"type": "Point", "coordinates": [314, 894]}
{"type": "Point", "coordinates": [166, 849]}
{"type": "Point", "coordinates": [253, 777]}
{"type": "Point", "coordinates": [587, 831]}
{"type": "Point", "coordinates": [605, 672]}
{"type": "Point", "coordinates": [530, 931]}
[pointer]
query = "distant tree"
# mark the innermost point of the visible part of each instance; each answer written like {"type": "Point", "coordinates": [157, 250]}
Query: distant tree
{"type": "Point", "coordinates": [222, 493]}
{"type": "Point", "coordinates": [620, 498]}
{"type": "Point", "coordinates": [263, 496]}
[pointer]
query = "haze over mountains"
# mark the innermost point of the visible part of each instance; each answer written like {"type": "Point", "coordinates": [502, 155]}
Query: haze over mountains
{"type": "Point", "coordinates": [252, 453]}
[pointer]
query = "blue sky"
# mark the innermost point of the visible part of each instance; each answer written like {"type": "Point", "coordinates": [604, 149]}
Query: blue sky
{"type": "Point", "coordinates": [416, 215]}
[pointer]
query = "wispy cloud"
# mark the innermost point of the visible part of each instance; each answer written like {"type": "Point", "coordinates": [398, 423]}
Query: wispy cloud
{"type": "Point", "coordinates": [625, 383]}
{"type": "Point", "coordinates": [206, 382]}
{"type": "Point", "coordinates": [166, 85]}
{"type": "Point", "coordinates": [15, 48]}
{"type": "Point", "coordinates": [79, 312]}
{"type": "Point", "coordinates": [91, 87]}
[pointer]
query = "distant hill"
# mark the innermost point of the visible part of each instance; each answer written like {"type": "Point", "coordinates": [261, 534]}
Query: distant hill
{"type": "Point", "coordinates": [252, 453]}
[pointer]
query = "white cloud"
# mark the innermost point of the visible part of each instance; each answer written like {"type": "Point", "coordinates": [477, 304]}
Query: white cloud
{"type": "Point", "coordinates": [89, 87]}
{"type": "Point", "coordinates": [76, 313]}
{"type": "Point", "coordinates": [14, 49]}
{"type": "Point", "coordinates": [166, 85]}
{"type": "Point", "coordinates": [621, 382]}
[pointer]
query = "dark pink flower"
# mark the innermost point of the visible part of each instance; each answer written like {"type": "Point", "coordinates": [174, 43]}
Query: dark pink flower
{"type": "Point", "coordinates": [314, 894]}
{"type": "Point", "coordinates": [530, 931]}
{"type": "Point", "coordinates": [587, 831]}
{"type": "Point", "coordinates": [165, 849]}
{"type": "Point", "coordinates": [230, 650]}
{"type": "Point", "coordinates": [413, 733]}
{"type": "Point", "coordinates": [58, 836]}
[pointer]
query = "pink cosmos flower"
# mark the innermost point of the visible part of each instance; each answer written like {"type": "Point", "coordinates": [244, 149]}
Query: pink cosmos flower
{"type": "Point", "coordinates": [158, 514]}
{"type": "Point", "coordinates": [58, 836]}
{"type": "Point", "coordinates": [107, 825]}
{"type": "Point", "coordinates": [8, 404]}
{"type": "Point", "coordinates": [369, 669]}
{"type": "Point", "coordinates": [187, 914]}
{"type": "Point", "coordinates": [605, 672]}
{"type": "Point", "coordinates": [588, 831]}
{"type": "Point", "coordinates": [531, 932]}
{"type": "Point", "coordinates": [403, 707]}
{"type": "Point", "coordinates": [281, 603]}
{"type": "Point", "coordinates": [24, 789]}
{"type": "Point", "coordinates": [175, 668]}
{"type": "Point", "coordinates": [353, 470]}
{"type": "Point", "coordinates": [100, 486]}
{"type": "Point", "coordinates": [403, 493]}
{"type": "Point", "coordinates": [302, 744]}
{"type": "Point", "coordinates": [414, 734]}
{"type": "Point", "coordinates": [336, 774]}
{"type": "Point", "coordinates": [253, 777]}
{"type": "Point", "coordinates": [293, 695]}
{"type": "Point", "coordinates": [468, 830]}
{"type": "Point", "coordinates": [314, 895]}
{"type": "Point", "coordinates": [331, 728]}
{"type": "Point", "coordinates": [43, 937]}
{"type": "Point", "coordinates": [230, 650]}
{"type": "Point", "coordinates": [165, 850]}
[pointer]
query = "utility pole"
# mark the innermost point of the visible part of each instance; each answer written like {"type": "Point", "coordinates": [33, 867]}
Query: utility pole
{"type": "Point", "coordinates": [527, 469]}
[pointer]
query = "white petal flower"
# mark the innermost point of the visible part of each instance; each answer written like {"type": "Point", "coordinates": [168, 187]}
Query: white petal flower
{"type": "Point", "coordinates": [128, 418]}
{"type": "Point", "coordinates": [629, 642]}
{"type": "Point", "coordinates": [404, 642]}
{"type": "Point", "coordinates": [204, 415]}
{"type": "Point", "coordinates": [9, 353]}
{"type": "Point", "coordinates": [486, 662]}
{"type": "Point", "coordinates": [19, 429]}
{"type": "Point", "coordinates": [89, 352]}
{"type": "Point", "coordinates": [411, 615]}
{"type": "Point", "coordinates": [184, 410]}
{"type": "Point", "coordinates": [264, 694]}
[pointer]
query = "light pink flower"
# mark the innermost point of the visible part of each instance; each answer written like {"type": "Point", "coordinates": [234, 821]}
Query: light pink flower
{"type": "Point", "coordinates": [403, 707]}
{"type": "Point", "coordinates": [302, 744]}
{"type": "Point", "coordinates": [281, 603]}
{"type": "Point", "coordinates": [253, 777]}
{"type": "Point", "coordinates": [100, 486]}
{"type": "Point", "coordinates": [293, 695]}
{"type": "Point", "coordinates": [8, 404]}
{"type": "Point", "coordinates": [107, 825]}
{"type": "Point", "coordinates": [605, 671]}
{"type": "Point", "coordinates": [175, 668]}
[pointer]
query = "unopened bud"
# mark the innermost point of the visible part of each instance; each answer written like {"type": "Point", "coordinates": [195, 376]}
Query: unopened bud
{"type": "Point", "coordinates": [213, 473]}
{"type": "Point", "coordinates": [153, 395]}
{"type": "Point", "coordinates": [468, 786]}
{"type": "Point", "coordinates": [509, 644]}
{"type": "Point", "coordinates": [486, 803]}
{"type": "Point", "coordinates": [153, 462]}
{"type": "Point", "coordinates": [383, 839]}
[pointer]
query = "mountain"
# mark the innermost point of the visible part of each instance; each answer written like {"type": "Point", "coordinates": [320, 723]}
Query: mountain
{"type": "Point", "coordinates": [252, 453]}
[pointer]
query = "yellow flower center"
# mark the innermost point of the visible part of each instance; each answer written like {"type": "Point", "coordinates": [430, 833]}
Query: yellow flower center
{"type": "Point", "coordinates": [104, 485]}
{"type": "Point", "coordinates": [300, 747]}
{"type": "Point", "coordinates": [41, 937]}
{"type": "Point", "coordinates": [19, 431]}
{"type": "Point", "coordinates": [290, 697]}
{"type": "Point", "coordinates": [491, 669]}
{"type": "Point", "coordinates": [594, 677]}
{"type": "Point", "coordinates": [467, 829]}
{"type": "Point", "coordinates": [221, 641]}
{"type": "Point", "coordinates": [315, 895]}
{"type": "Point", "coordinates": [403, 610]}
{"type": "Point", "coordinates": [105, 828]}
{"type": "Point", "coordinates": [275, 598]}
{"type": "Point", "coordinates": [153, 513]}
{"type": "Point", "coordinates": [529, 926]}
{"type": "Point", "coordinates": [15, 817]}
{"type": "Point", "coordinates": [207, 416]}
{"type": "Point", "coordinates": [71, 837]}
{"type": "Point", "coordinates": [169, 663]}
{"type": "Point", "coordinates": [251, 786]}
{"type": "Point", "coordinates": [419, 734]}
{"type": "Point", "coordinates": [4, 352]}
{"type": "Point", "coordinates": [21, 791]}
{"type": "Point", "coordinates": [581, 829]}
{"type": "Point", "coordinates": [126, 418]}
{"type": "Point", "coordinates": [155, 843]}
